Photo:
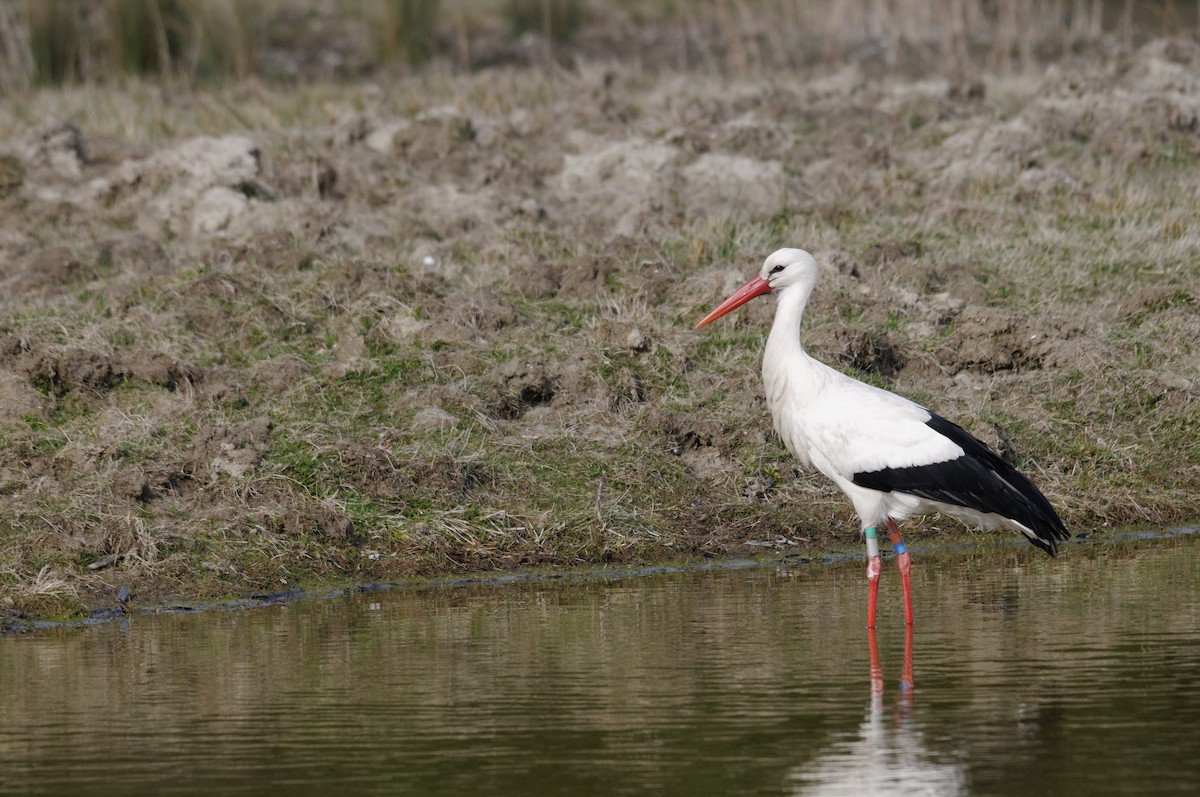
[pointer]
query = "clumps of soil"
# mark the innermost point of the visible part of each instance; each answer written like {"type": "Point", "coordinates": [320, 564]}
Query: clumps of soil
{"type": "Point", "coordinates": [485, 313]}
{"type": "Point", "coordinates": [522, 385]}
{"type": "Point", "coordinates": [624, 335]}
{"type": "Point", "coordinates": [72, 369]}
{"type": "Point", "coordinates": [690, 437]}
{"type": "Point", "coordinates": [132, 483]}
{"type": "Point", "coordinates": [155, 368]}
{"type": "Point", "coordinates": [988, 341]}
{"type": "Point", "coordinates": [229, 450]}
{"type": "Point", "coordinates": [58, 146]}
{"type": "Point", "coordinates": [61, 371]}
{"type": "Point", "coordinates": [870, 353]}
{"type": "Point", "coordinates": [200, 187]}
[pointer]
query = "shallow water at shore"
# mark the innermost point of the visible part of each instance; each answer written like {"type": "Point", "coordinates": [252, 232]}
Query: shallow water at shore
{"type": "Point", "coordinates": [1030, 676]}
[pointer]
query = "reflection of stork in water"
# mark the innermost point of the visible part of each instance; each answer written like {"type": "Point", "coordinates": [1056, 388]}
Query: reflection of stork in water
{"type": "Point", "coordinates": [907, 686]}
{"type": "Point", "coordinates": [887, 757]}
{"type": "Point", "coordinates": [891, 457]}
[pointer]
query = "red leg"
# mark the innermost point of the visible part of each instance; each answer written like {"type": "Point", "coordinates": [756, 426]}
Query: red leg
{"type": "Point", "coordinates": [904, 564]}
{"type": "Point", "coordinates": [876, 670]}
{"type": "Point", "coordinates": [874, 566]}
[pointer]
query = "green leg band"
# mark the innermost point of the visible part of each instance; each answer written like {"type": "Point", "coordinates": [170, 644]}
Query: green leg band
{"type": "Point", "coordinates": [872, 542]}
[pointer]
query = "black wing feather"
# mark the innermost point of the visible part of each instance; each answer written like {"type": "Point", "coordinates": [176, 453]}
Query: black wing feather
{"type": "Point", "coordinates": [978, 480]}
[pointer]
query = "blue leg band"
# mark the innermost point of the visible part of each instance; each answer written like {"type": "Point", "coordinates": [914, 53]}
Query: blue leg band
{"type": "Point", "coordinates": [899, 548]}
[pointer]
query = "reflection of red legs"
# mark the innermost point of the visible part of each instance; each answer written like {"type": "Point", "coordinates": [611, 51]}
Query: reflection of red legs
{"type": "Point", "coordinates": [904, 700]}
{"type": "Point", "coordinates": [876, 667]}
{"type": "Point", "coordinates": [906, 677]}
{"type": "Point", "coordinates": [904, 563]}
{"type": "Point", "coordinates": [874, 565]}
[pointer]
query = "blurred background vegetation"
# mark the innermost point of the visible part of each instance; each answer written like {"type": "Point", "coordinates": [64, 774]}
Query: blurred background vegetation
{"type": "Point", "coordinates": [54, 42]}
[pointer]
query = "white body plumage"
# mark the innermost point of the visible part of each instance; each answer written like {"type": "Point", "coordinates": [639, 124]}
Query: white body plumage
{"type": "Point", "coordinates": [892, 457]}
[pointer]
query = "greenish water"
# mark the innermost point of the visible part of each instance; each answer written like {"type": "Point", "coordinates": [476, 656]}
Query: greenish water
{"type": "Point", "coordinates": [1032, 677]}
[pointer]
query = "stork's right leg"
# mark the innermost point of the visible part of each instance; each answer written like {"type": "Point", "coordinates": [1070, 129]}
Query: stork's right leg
{"type": "Point", "coordinates": [874, 566]}
{"type": "Point", "coordinates": [904, 563]}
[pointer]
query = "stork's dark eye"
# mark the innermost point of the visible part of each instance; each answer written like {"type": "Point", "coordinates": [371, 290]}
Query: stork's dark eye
{"type": "Point", "coordinates": [777, 269]}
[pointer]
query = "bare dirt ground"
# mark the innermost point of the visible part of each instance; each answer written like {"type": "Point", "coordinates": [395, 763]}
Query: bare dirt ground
{"type": "Point", "coordinates": [256, 338]}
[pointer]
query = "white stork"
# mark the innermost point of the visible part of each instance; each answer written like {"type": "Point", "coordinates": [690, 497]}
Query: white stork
{"type": "Point", "coordinates": [893, 458]}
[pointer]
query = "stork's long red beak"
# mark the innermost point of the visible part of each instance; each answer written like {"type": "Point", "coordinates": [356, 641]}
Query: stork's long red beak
{"type": "Point", "coordinates": [755, 287]}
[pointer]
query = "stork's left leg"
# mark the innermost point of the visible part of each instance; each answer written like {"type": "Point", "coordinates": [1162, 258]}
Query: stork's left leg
{"type": "Point", "coordinates": [874, 566]}
{"type": "Point", "coordinates": [904, 563]}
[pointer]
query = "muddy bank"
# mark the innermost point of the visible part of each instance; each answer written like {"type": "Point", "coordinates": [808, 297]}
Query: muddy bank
{"type": "Point", "coordinates": [254, 339]}
{"type": "Point", "coordinates": [948, 547]}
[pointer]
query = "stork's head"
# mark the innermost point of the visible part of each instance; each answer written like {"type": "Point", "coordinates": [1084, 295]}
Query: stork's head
{"type": "Point", "coordinates": [782, 269]}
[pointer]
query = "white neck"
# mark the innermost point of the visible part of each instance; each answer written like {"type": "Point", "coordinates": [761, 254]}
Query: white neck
{"type": "Point", "coordinates": [790, 377]}
{"type": "Point", "coordinates": [784, 349]}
